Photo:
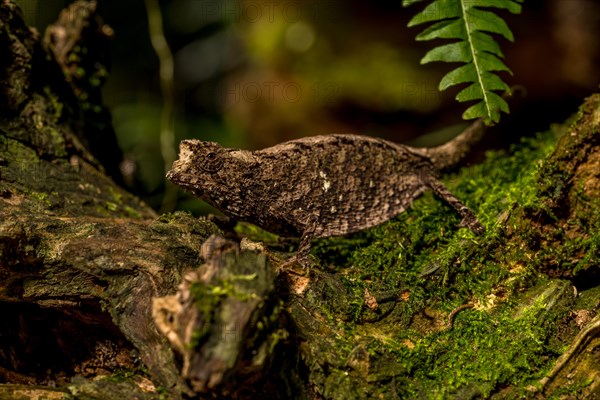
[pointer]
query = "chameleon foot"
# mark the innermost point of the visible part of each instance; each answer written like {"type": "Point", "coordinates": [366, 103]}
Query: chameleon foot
{"type": "Point", "coordinates": [291, 265]}
{"type": "Point", "coordinates": [470, 221]}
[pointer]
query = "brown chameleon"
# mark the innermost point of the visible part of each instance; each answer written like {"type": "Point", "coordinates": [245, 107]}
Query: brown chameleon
{"type": "Point", "coordinates": [321, 186]}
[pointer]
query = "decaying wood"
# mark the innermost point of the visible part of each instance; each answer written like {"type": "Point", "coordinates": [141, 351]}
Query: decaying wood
{"type": "Point", "coordinates": [225, 323]}
{"type": "Point", "coordinates": [84, 265]}
{"type": "Point", "coordinates": [80, 258]}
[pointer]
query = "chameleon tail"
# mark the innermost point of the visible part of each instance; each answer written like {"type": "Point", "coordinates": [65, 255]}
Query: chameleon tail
{"type": "Point", "coordinates": [452, 152]}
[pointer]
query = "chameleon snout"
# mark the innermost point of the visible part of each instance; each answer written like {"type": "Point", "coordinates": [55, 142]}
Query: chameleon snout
{"type": "Point", "coordinates": [178, 166]}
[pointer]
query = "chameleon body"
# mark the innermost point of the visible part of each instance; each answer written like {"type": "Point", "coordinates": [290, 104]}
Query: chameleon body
{"type": "Point", "coordinates": [320, 186]}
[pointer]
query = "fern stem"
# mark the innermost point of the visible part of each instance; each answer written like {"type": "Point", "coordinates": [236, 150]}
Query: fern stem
{"type": "Point", "coordinates": [470, 36]}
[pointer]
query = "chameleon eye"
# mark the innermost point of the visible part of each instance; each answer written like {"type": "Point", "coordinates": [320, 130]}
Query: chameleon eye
{"type": "Point", "coordinates": [212, 162]}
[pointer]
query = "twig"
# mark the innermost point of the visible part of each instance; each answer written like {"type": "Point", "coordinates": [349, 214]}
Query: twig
{"type": "Point", "coordinates": [456, 311]}
{"type": "Point", "coordinates": [579, 342]}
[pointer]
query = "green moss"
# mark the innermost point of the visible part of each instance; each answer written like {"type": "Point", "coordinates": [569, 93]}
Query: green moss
{"type": "Point", "coordinates": [255, 233]}
{"type": "Point", "coordinates": [23, 155]}
{"type": "Point", "coordinates": [167, 218]}
{"type": "Point", "coordinates": [58, 141]}
{"type": "Point", "coordinates": [116, 195]}
{"type": "Point", "coordinates": [40, 196]}
{"type": "Point", "coordinates": [56, 106]}
{"type": "Point", "coordinates": [568, 391]}
{"type": "Point", "coordinates": [185, 221]}
{"type": "Point", "coordinates": [482, 351]}
{"type": "Point", "coordinates": [207, 298]}
{"type": "Point", "coordinates": [434, 267]}
{"type": "Point", "coordinates": [243, 277]}
{"type": "Point", "coordinates": [110, 206]}
{"type": "Point", "coordinates": [131, 212]}
{"type": "Point", "coordinates": [588, 299]}
{"type": "Point", "coordinates": [123, 375]}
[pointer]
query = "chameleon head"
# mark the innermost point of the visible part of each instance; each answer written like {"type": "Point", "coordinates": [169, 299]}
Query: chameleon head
{"type": "Point", "coordinates": [199, 164]}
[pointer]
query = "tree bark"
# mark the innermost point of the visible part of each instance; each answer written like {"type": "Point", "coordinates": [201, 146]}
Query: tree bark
{"type": "Point", "coordinates": [103, 298]}
{"type": "Point", "coordinates": [80, 258]}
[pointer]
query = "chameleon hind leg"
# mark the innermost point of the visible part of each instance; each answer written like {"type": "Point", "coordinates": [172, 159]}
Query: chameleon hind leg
{"type": "Point", "coordinates": [469, 219]}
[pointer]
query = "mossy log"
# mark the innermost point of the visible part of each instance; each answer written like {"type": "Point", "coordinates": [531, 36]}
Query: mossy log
{"type": "Point", "coordinates": [104, 299]}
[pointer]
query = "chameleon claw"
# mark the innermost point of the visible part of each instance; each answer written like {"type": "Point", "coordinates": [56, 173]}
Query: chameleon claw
{"type": "Point", "coordinates": [295, 261]}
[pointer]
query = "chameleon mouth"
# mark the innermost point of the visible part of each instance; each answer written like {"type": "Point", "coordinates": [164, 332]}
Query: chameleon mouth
{"type": "Point", "coordinates": [183, 180]}
{"type": "Point", "coordinates": [177, 177]}
{"type": "Point", "coordinates": [169, 175]}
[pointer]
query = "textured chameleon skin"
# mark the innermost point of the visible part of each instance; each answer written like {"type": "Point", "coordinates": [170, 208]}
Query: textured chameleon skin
{"type": "Point", "coordinates": [319, 186]}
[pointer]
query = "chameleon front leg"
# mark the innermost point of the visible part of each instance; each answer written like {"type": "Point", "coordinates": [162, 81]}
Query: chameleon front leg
{"type": "Point", "coordinates": [469, 219]}
{"type": "Point", "coordinates": [303, 252]}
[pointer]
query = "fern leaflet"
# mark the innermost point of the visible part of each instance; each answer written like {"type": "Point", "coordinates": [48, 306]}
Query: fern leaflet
{"type": "Point", "coordinates": [468, 21]}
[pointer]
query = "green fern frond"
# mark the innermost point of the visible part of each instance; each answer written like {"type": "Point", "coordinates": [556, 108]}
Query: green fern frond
{"type": "Point", "coordinates": [470, 23]}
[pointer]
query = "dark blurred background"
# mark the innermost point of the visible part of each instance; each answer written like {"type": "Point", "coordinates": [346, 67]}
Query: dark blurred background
{"type": "Point", "coordinates": [255, 73]}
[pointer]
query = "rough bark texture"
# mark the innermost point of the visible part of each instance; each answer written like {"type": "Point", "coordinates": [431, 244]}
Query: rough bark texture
{"type": "Point", "coordinates": [80, 258]}
{"type": "Point", "coordinates": [412, 309]}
